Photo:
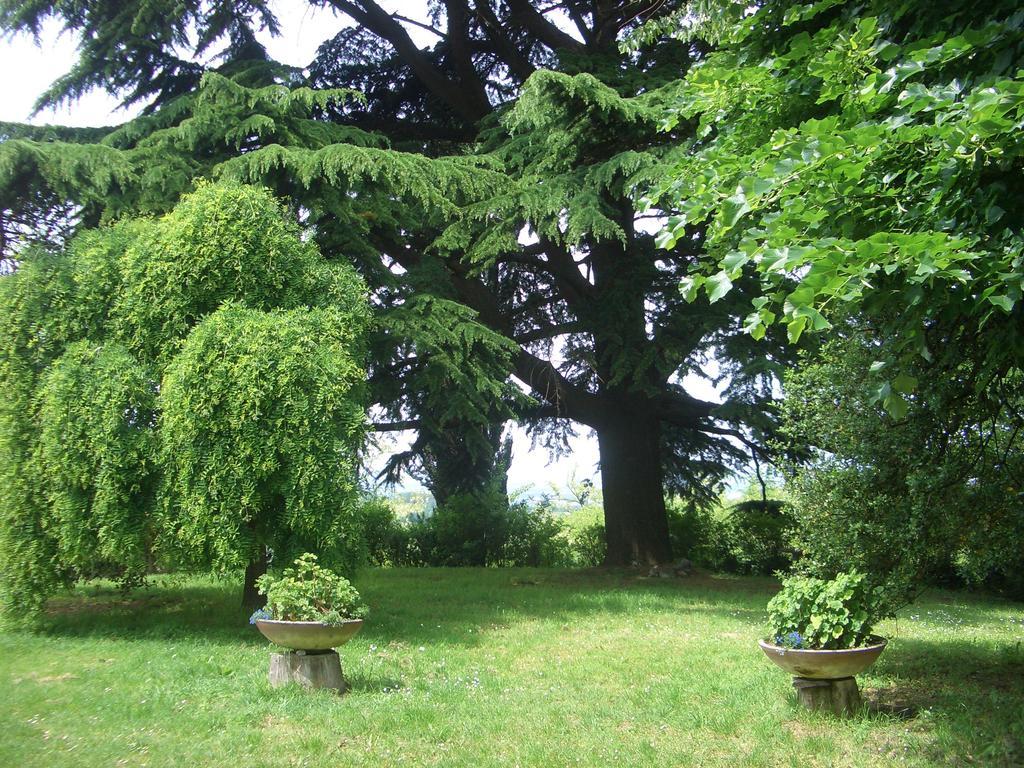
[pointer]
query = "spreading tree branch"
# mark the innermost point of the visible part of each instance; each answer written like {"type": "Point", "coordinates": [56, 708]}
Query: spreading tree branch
{"type": "Point", "coordinates": [533, 20]}
{"type": "Point", "coordinates": [517, 63]}
{"type": "Point", "coordinates": [549, 332]}
{"type": "Point", "coordinates": [461, 97]}
{"type": "Point", "coordinates": [396, 426]}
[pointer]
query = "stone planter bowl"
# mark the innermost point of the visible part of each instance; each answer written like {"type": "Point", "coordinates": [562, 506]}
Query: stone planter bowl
{"type": "Point", "coordinates": [308, 635]}
{"type": "Point", "coordinates": [825, 665]}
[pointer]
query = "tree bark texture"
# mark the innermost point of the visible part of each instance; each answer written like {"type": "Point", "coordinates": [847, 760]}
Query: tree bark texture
{"type": "Point", "coordinates": [251, 598]}
{"type": "Point", "coordinates": [636, 523]}
{"type": "Point", "coordinates": [310, 670]}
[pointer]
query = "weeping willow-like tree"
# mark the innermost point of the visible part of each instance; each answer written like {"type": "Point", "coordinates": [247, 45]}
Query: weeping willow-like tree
{"type": "Point", "coordinates": [486, 187]}
{"type": "Point", "coordinates": [185, 391]}
{"type": "Point", "coordinates": [35, 325]}
{"type": "Point", "coordinates": [96, 458]}
{"type": "Point", "coordinates": [262, 422]}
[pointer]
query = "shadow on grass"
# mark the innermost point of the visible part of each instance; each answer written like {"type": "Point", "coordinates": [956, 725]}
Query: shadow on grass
{"type": "Point", "coordinates": [952, 669]}
{"type": "Point", "coordinates": [971, 694]}
{"type": "Point", "coordinates": [159, 611]}
{"type": "Point", "coordinates": [358, 683]}
{"type": "Point", "coordinates": [450, 605]}
{"type": "Point", "coordinates": [895, 709]}
{"type": "Point", "coordinates": [454, 605]}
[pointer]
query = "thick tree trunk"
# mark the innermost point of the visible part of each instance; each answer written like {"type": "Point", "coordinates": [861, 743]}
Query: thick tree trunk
{"type": "Point", "coordinates": [251, 598]}
{"type": "Point", "coordinates": [636, 524]}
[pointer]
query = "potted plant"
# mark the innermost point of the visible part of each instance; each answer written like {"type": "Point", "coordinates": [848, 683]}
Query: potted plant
{"type": "Point", "coordinates": [309, 607]}
{"type": "Point", "coordinates": [310, 611]}
{"type": "Point", "coordinates": [820, 631]}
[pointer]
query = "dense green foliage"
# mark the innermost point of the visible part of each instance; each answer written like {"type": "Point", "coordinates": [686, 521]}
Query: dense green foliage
{"type": "Point", "coordinates": [261, 424]}
{"type": "Point", "coordinates": [932, 497]}
{"type": "Point", "coordinates": [34, 326]}
{"type": "Point", "coordinates": [823, 614]}
{"type": "Point", "coordinates": [485, 185]}
{"type": "Point", "coordinates": [741, 538]}
{"type": "Point", "coordinates": [306, 591]}
{"type": "Point", "coordinates": [226, 243]}
{"type": "Point", "coordinates": [97, 458]}
{"type": "Point", "coordinates": [468, 530]}
{"type": "Point", "coordinates": [868, 154]}
{"type": "Point", "coordinates": [757, 537]}
{"type": "Point", "coordinates": [432, 358]}
{"type": "Point", "coordinates": [864, 163]}
{"type": "Point", "coordinates": [834, 166]}
{"type": "Point", "coordinates": [143, 423]}
{"type": "Point", "coordinates": [583, 536]}
{"type": "Point", "coordinates": [748, 537]}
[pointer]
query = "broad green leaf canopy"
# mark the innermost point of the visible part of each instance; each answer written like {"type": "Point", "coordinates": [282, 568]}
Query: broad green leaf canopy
{"type": "Point", "coordinates": [864, 155]}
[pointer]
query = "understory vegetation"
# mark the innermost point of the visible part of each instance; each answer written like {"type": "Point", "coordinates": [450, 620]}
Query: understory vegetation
{"type": "Point", "coordinates": [746, 537]}
{"type": "Point", "coordinates": [750, 536]}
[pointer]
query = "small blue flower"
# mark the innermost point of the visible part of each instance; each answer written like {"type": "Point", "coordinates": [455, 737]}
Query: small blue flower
{"type": "Point", "coordinates": [261, 614]}
{"type": "Point", "coordinates": [790, 640]}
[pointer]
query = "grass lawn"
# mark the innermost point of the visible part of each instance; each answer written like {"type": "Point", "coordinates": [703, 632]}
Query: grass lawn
{"type": "Point", "coordinates": [500, 668]}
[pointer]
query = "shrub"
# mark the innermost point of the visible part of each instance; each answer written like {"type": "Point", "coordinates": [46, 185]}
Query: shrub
{"type": "Point", "coordinates": [261, 424]}
{"type": "Point", "coordinates": [413, 543]}
{"type": "Point", "coordinates": [468, 529]}
{"type": "Point", "coordinates": [826, 614]}
{"type": "Point", "coordinates": [381, 530]}
{"type": "Point", "coordinates": [751, 537]}
{"type": "Point", "coordinates": [483, 530]}
{"type": "Point", "coordinates": [309, 592]}
{"type": "Point", "coordinates": [699, 535]}
{"type": "Point", "coordinates": [758, 534]}
{"type": "Point", "coordinates": [583, 536]}
{"type": "Point", "coordinates": [532, 537]}
{"type": "Point", "coordinates": [96, 458]}
{"type": "Point", "coordinates": [931, 497]}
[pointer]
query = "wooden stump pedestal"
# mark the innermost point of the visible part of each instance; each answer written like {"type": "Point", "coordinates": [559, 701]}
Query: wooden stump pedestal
{"type": "Point", "coordinates": [310, 669]}
{"type": "Point", "coordinates": [840, 697]}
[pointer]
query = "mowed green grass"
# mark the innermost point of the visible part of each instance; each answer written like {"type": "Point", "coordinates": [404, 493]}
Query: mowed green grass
{"type": "Point", "coordinates": [468, 667]}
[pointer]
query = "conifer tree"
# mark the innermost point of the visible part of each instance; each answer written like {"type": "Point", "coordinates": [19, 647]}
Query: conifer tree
{"type": "Point", "coordinates": [486, 186]}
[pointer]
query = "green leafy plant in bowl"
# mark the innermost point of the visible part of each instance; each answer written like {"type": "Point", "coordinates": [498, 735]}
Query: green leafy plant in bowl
{"type": "Point", "coordinates": [819, 614]}
{"type": "Point", "coordinates": [307, 591]}
{"type": "Point", "coordinates": [822, 629]}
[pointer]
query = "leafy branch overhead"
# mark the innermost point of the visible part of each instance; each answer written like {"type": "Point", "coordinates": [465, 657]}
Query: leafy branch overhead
{"type": "Point", "coordinates": [226, 130]}
{"type": "Point", "coordinates": [859, 157]}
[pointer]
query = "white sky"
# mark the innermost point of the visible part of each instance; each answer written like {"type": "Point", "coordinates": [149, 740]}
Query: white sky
{"type": "Point", "coordinates": [29, 69]}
